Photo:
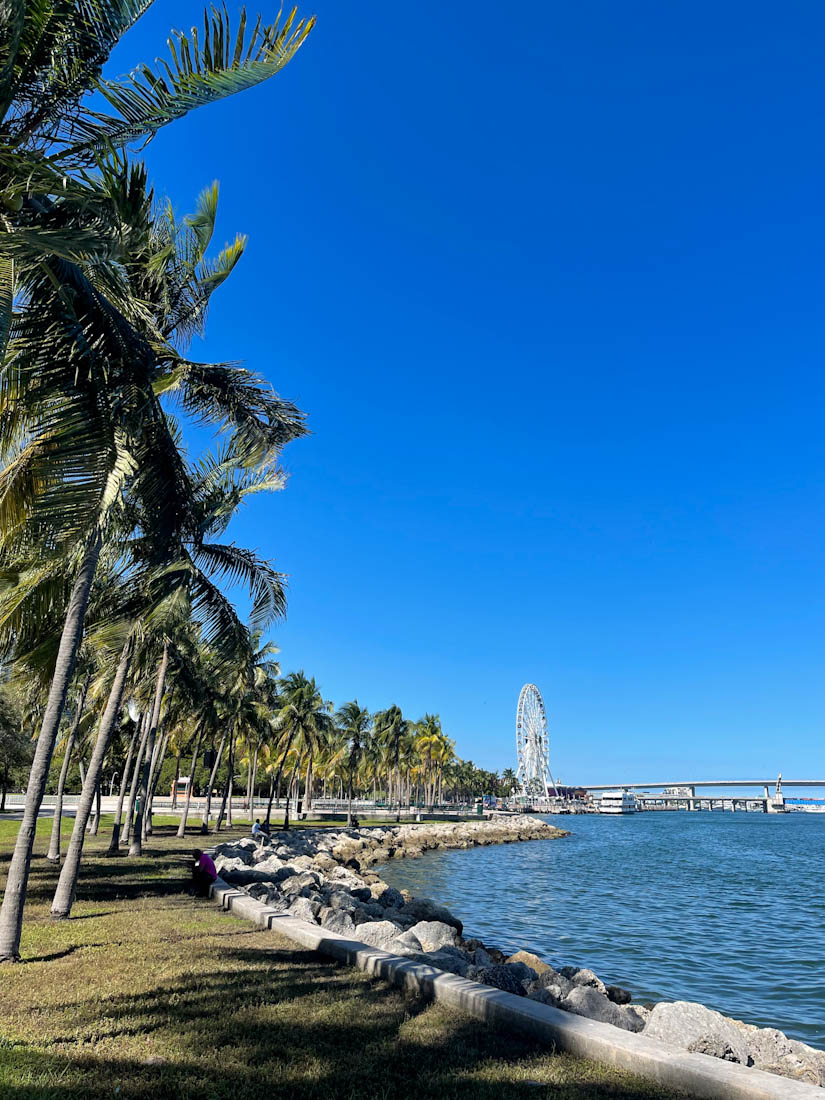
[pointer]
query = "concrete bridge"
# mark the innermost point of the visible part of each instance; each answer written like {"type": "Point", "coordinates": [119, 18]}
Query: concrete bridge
{"type": "Point", "coordinates": [682, 794]}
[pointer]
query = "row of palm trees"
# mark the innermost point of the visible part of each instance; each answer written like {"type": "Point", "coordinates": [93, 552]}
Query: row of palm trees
{"type": "Point", "coordinates": [114, 565]}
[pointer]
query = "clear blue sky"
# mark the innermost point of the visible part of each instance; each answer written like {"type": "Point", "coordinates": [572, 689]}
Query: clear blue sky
{"type": "Point", "coordinates": [549, 282]}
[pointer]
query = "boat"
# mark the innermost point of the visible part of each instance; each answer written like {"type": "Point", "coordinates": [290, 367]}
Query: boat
{"type": "Point", "coordinates": [617, 802]}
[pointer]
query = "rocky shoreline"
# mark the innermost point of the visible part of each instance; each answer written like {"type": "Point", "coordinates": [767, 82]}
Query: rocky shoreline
{"type": "Point", "coordinates": [323, 877]}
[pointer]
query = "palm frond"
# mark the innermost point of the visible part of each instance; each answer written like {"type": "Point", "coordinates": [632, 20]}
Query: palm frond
{"type": "Point", "coordinates": [202, 67]}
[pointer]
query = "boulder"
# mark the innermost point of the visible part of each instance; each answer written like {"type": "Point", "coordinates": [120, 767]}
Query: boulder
{"type": "Point", "coordinates": [240, 851]}
{"type": "Point", "coordinates": [584, 1000]}
{"type": "Point", "coordinates": [618, 995]}
{"type": "Point", "coordinates": [388, 897]}
{"type": "Point", "coordinates": [406, 944]}
{"type": "Point", "coordinates": [531, 960]}
{"type": "Point", "coordinates": [362, 893]}
{"type": "Point", "coordinates": [341, 899]}
{"type": "Point", "coordinates": [684, 1023]}
{"type": "Point", "coordinates": [304, 909]}
{"type": "Point", "coordinates": [449, 959]}
{"type": "Point", "coordinates": [482, 958]}
{"type": "Point", "coordinates": [245, 876]}
{"type": "Point", "coordinates": [427, 909]}
{"type": "Point", "coordinates": [546, 995]}
{"type": "Point", "coordinates": [524, 973]}
{"type": "Point", "coordinates": [270, 863]}
{"type": "Point", "coordinates": [323, 862]}
{"type": "Point", "coordinates": [378, 933]}
{"type": "Point", "coordinates": [554, 979]}
{"type": "Point", "coordinates": [300, 884]}
{"type": "Point", "coordinates": [502, 977]}
{"type": "Point", "coordinates": [583, 976]}
{"type": "Point", "coordinates": [338, 921]}
{"type": "Point", "coordinates": [774, 1052]}
{"type": "Point", "coordinates": [433, 934]}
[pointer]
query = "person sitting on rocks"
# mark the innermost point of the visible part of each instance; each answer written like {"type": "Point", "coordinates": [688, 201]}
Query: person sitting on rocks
{"type": "Point", "coordinates": [203, 873]}
{"type": "Point", "coordinates": [258, 829]}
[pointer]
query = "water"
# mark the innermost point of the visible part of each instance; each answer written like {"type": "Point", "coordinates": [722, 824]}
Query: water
{"type": "Point", "coordinates": [722, 908]}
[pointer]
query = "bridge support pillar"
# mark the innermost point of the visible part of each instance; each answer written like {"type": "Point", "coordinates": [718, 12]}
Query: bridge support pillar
{"type": "Point", "coordinates": [692, 799]}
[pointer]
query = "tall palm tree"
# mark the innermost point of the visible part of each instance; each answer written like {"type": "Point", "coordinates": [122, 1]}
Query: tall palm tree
{"type": "Point", "coordinates": [353, 723]}
{"type": "Point", "coordinates": [304, 717]}
{"type": "Point", "coordinates": [81, 357]}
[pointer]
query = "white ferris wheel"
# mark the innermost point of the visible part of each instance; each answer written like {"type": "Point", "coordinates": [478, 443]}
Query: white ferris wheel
{"type": "Point", "coordinates": [532, 744]}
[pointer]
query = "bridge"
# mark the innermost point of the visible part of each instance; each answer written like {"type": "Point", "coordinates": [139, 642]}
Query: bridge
{"type": "Point", "coordinates": [681, 794]}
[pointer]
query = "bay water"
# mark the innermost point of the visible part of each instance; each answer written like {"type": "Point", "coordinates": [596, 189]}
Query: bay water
{"type": "Point", "coordinates": [727, 909]}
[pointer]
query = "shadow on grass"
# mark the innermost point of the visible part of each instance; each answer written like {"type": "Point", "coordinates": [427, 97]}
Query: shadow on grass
{"type": "Point", "coordinates": [280, 1032]}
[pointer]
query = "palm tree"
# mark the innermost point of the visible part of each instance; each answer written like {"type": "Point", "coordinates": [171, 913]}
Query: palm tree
{"type": "Point", "coordinates": [304, 717]}
{"type": "Point", "coordinates": [353, 723]}
{"type": "Point", "coordinates": [82, 357]}
{"type": "Point", "coordinates": [391, 727]}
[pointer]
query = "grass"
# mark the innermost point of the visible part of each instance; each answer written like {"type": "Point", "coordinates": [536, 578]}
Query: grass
{"type": "Point", "coordinates": [147, 993]}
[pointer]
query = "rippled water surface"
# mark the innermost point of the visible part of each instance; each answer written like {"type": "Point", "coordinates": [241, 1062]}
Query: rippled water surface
{"type": "Point", "coordinates": [726, 909]}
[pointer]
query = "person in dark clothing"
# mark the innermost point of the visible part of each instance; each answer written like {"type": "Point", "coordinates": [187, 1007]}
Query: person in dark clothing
{"type": "Point", "coordinates": [203, 873]}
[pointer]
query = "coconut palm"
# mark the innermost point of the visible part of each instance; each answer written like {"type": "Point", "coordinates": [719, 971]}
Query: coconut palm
{"type": "Point", "coordinates": [82, 355]}
{"type": "Point", "coordinates": [304, 720]}
{"type": "Point", "coordinates": [353, 723]}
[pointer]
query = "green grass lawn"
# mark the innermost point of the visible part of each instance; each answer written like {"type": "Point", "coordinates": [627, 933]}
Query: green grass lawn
{"type": "Point", "coordinates": [148, 993]}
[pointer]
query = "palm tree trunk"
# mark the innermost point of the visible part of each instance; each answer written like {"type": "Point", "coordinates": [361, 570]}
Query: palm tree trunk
{"type": "Point", "coordinates": [114, 843]}
{"type": "Point", "coordinates": [182, 827]}
{"type": "Point", "coordinates": [136, 847]}
{"type": "Point", "coordinates": [231, 792]}
{"type": "Point", "coordinates": [54, 842]}
{"type": "Point", "coordinates": [227, 785]}
{"type": "Point", "coordinates": [349, 800]}
{"type": "Point", "coordinates": [277, 782]}
{"type": "Point", "coordinates": [67, 883]}
{"type": "Point", "coordinates": [308, 792]}
{"type": "Point", "coordinates": [289, 792]}
{"type": "Point", "coordinates": [96, 814]}
{"type": "Point", "coordinates": [130, 814]}
{"type": "Point", "coordinates": [11, 913]}
{"type": "Point", "coordinates": [154, 779]}
{"type": "Point", "coordinates": [208, 806]}
{"type": "Point", "coordinates": [254, 777]}
{"type": "Point", "coordinates": [175, 784]}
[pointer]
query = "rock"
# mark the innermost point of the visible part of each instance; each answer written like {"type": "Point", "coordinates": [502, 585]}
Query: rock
{"type": "Point", "coordinates": [378, 933]}
{"type": "Point", "coordinates": [772, 1051]}
{"type": "Point", "coordinates": [269, 863]}
{"type": "Point", "coordinates": [482, 958]}
{"type": "Point", "coordinates": [433, 934]}
{"type": "Point", "coordinates": [585, 1000]}
{"type": "Point", "coordinates": [240, 851]}
{"type": "Point", "coordinates": [299, 884]}
{"type": "Point", "coordinates": [324, 862]}
{"type": "Point", "coordinates": [389, 897]}
{"type": "Point", "coordinates": [362, 893]}
{"type": "Point", "coordinates": [245, 876]}
{"type": "Point", "coordinates": [304, 909]}
{"type": "Point", "coordinates": [449, 959]}
{"type": "Point", "coordinates": [406, 944]}
{"type": "Point", "coordinates": [338, 921]}
{"type": "Point", "coordinates": [554, 979]}
{"type": "Point", "coordinates": [502, 977]}
{"type": "Point", "coordinates": [427, 909]}
{"type": "Point", "coordinates": [618, 995]}
{"type": "Point", "coordinates": [525, 974]}
{"type": "Point", "coordinates": [584, 977]}
{"type": "Point", "coordinates": [546, 996]}
{"type": "Point", "coordinates": [341, 899]}
{"type": "Point", "coordinates": [716, 1047]}
{"type": "Point", "coordinates": [684, 1023]}
{"type": "Point", "coordinates": [531, 960]}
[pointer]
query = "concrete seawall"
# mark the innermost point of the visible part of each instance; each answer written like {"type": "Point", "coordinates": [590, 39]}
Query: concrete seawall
{"type": "Point", "coordinates": [697, 1074]}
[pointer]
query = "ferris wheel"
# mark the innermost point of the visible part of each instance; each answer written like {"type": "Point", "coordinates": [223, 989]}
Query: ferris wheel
{"type": "Point", "coordinates": [532, 743]}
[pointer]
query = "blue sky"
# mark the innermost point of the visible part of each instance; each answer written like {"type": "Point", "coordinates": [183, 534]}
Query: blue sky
{"type": "Point", "coordinates": [549, 284]}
